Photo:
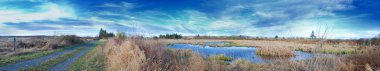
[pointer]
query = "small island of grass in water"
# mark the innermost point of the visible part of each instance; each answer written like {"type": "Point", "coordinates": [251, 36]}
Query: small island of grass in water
{"type": "Point", "coordinates": [221, 57]}
{"type": "Point", "coordinates": [275, 52]}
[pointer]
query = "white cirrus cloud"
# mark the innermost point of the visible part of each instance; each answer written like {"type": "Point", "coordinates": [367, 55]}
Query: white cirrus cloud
{"type": "Point", "coordinates": [50, 11]}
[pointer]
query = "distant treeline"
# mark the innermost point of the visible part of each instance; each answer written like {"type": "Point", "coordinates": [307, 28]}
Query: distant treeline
{"type": "Point", "coordinates": [375, 41]}
{"type": "Point", "coordinates": [222, 37]}
{"type": "Point", "coordinates": [103, 34]}
{"type": "Point", "coordinates": [369, 42]}
{"type": "Point", "coordinates": [169, 36]}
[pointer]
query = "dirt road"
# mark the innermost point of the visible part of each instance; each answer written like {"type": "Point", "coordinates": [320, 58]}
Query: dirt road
{"type": "Point", "coordinates": [37, 61]}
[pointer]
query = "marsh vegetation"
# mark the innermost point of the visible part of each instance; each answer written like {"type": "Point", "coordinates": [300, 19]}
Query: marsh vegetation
{"type": "Point", "coordinates": [138, 53]}
{"type": "Point", "coordinates": [165, 55]}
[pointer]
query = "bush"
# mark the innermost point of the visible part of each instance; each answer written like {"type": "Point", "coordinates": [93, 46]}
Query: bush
{"type": "Point", "coordinates": [103, 34]}
{"type": "Point", "coordinates": [63, 41]}
{"type": "Point", "coordinates": [120, 35]}
{"type": "Point", "coordinates": [171, 36]}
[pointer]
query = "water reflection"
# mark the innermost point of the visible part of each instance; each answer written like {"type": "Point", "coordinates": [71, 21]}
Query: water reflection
{"type": "Point", "coordinates": [247, 53]}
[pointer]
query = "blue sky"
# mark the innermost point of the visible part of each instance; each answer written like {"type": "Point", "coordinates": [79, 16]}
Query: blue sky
{"type": "Point", "coordinates": [286, 18]}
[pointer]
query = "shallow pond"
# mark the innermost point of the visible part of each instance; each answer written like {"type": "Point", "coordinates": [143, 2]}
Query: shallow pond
{"type": "Point", "coordinates": [247, 53]}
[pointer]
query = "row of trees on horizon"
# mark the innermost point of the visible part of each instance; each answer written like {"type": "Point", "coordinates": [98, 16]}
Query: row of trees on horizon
{"type": "Point", "coordinates": [103, 34]}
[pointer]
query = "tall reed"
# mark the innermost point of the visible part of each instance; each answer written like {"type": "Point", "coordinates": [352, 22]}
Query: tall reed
{"type": "Point", "coordinates": [138, 54]}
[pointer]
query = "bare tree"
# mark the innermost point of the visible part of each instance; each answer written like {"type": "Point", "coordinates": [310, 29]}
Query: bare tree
{"type": "Point", "coordinates": [323, 31]}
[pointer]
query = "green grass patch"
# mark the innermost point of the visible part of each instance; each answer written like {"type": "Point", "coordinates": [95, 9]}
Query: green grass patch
{"type": "Point", "coordinates": [343, 51]}
{"type": "Point", "coordinates": [303, 49]}
{"type": "Point", "coordinates": [222, 57]}
{"type": "Point", "coordinates": [7, 60]}
{"type": "Point", "coordinates": [299, 49]}
{"type": "Point", "coordinates": [234, 44]}
{"type": "Point", "coordinates": [94, 60]}
{"type": "Point", "coordinates": [227, 44]}
{"type": "Point", "coordinates": [52, 62]}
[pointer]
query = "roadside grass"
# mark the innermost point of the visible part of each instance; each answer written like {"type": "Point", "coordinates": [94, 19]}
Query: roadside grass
{"type": "Point", "coordinates": [18, 58]}
{"type": "Point", "coordinates": [52, 62]}
{"type": "Point", "coordinates": [94, 60]}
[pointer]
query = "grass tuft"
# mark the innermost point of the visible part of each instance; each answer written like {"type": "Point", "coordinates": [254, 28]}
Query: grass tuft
{"type": "Point", "coordinates": [221, 57]}
{"type": "Point", "coordinates": [272, 51]}
{"type": "Point", "coordinates": [94, 60]}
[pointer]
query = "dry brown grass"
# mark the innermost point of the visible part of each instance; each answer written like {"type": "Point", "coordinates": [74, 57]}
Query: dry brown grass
{"type": "Point", "coordinates": [275, 51]}
{"type": "Point", "coordinates": [239, 65]}
{"type": "Point", "coordinates": [136, 54]}
{"type": "Point", "coordinates": [342, 47]}
{"type": "Point", "coordinates": [324, 63]}
{"type": "Point", "coordinates": [368, 58]}
{"type": "Point", "coordinates": [327, 63]}
{"type": "Point", "coordinates": [124, 57]}
{"type": "Point", "coordinates": [26, 45]}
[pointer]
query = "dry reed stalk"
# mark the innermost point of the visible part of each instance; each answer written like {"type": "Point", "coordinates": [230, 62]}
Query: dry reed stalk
{"type": "Point", "coordinates": [136, 54]}
{"type": "Point", "coordinates": [124, 57]}
{"type": "Point", "coordinates": [324, 63]}
{"type": "Point", "coordinates": [241, 65]}
{"type": "Point", "coordinates": [275, 51]}
{"type": "Point", "coordinates": [370, 56]}
{"type": "Point", "coordinates": [327, 63]}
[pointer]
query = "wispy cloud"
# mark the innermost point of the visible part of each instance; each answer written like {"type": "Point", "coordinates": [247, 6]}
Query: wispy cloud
{"type": "Point", "coordinates": [294, 18]}
{"type": "Point", "coordinates": [46, 11]}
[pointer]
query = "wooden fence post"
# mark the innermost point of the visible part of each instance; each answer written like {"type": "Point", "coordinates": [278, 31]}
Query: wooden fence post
{"type": "Point", "coordinates": [14, 44]}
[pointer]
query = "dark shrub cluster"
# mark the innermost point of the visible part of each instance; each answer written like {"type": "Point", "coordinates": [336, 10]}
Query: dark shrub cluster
{"type": "Point", "coordinates": [63, 41]}
{"type": "Point", "coordinates": [171, 36]}
{"type": "Point", "coordinates": [103, 34]}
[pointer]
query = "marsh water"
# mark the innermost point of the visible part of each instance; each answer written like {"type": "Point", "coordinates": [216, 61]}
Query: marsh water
{"type": "Point", "coordinates": [246, 53]}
